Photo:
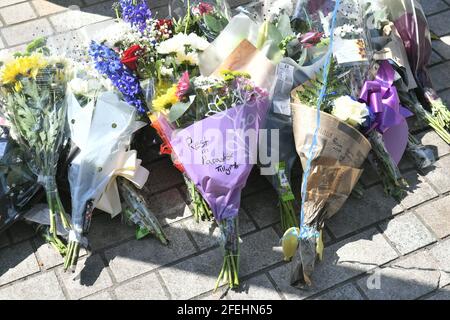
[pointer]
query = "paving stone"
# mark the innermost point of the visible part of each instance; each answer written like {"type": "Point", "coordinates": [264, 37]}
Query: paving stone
{"type": "Point", "coordinates": [442, 254]}
{"type": "Point", "coordinates": [345, 292]}
{"type": "Point", "coordinates": [90, 276]}
{"type": "Point", "coordinates": [439, 23]}
{"type": "Point", "coordinates": [442, 46]}
{"type": "Point", "coordinates": [433, 6]}
{"type": "Point", "coordinates": [441, 294]}
{"type": "Point", "coordinates": [257, 251]}
{"type": "Point", "coordinates": [16, 262]}
{"type": "Point", "coordinates": [437, 216]}
{"type": "Point", "coordinates": [164, 175]}
{"type": "Point", "coordinates": [27, 31]}
{"type": "Point", "coordinates": [419, 191]}
{"type": "Point", "coordinates": [435, 58]}
{"type": "Point", "coordinates": [407, 233]}
{"type": "Point", "coordinates": [206, 234]}
{"type": "Point", "coordinates": [74, 19]}
{"type": "Point", "coordinates": [103, 295]}
{"type": "Point", "coordinates": [47, 256]}
{"type": "Point", "coordinates": [45, 7]}
{"type": "Point", "coordinates": [406, 279]}
{"type": "Point", "coordinates": [358, 213]}
{"type": "Point", "coordinates": [192, 277]}
{"type": "Point", "coordinates": [143, 288]}
{"type": "Point", "coordinates": [5, 3]}
{"type": "Point", "coordinates": [445, 95]}
{"type": "Point", "coordinates": [342, 261]}
{"type": "Point", "coordinates": [4, 241]}
{"type": "Point", "coordinates": [439, 74]}
{"type": "Point", "coordinates": [44, 286]}
{"type": "Point", "coordinates": [21, 231]}
{"type": "Point", "coordinates": [139, 256]}
{"type": "Point", "coordinates": [169, 207]}
{"type": "Point", "coordinates": [18, 13]}
{"type": "Point", "coordinates": [257, 288]}
{"type": "Point", "coordinates": [439, 175]}
{"type": "Point", "coordinates": [105, 232]}
{"type": "Point", "coordinates": [431, 138]}
{"type": "Point", "coordinates": [197, 275]}
{"type": "Point", "coordinates": [263, 207]}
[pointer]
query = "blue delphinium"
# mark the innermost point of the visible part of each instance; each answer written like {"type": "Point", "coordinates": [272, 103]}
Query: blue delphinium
{"type": "Point", "coordinates": [108, 63]}
{"type": "Point", "coordinates": [136, 12]}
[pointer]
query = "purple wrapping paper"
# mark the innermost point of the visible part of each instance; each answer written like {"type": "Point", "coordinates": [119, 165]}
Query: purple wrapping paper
{"type": "Point", "coordinates": [390, 117]}
{"type": "Point", "coordinates": [416, 38]}
{"type": "Point", "coordinates": [218, 153]}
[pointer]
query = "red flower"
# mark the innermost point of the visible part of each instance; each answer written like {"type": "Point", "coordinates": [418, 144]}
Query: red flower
{"type": "Point", "coordinates": [164, 23]}
{"type": "Point", "coordinates": [202, 8]}
{"type": "Point", "coordinates": [183, 86]}
{"type": "Point", "coordinates": [310, 39]}
{"type": "Point", "coordinates": [130, 57]}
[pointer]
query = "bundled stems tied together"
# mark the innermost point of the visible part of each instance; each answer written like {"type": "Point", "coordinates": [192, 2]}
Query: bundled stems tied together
{"type": "Point", "coordinates": [55, 206]}
{"type": "Point", "coordinates": [288, 215]}
{"type": "Point", "coordinates": [74, 246]}
{"type": "Point", "coordinates": [55, 242]}
{"type": "Point", "coordinates": [394, 184]}
{"type": "Point", "coordinates": [438, 120]}
{"type": "Point", "coordinates": [138, 209]}
{"type": "Point", "coordinates": [230, 242]}
{"type": "Point", "coordinates": [200, 207]}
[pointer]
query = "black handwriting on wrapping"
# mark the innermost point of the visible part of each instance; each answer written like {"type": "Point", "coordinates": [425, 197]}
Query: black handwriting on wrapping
{"type": "Point", "coordinates": [227, 169]}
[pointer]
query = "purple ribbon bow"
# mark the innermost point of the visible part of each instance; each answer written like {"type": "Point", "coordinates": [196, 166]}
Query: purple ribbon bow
{"type": "Point", "coordinates": [390, 117]}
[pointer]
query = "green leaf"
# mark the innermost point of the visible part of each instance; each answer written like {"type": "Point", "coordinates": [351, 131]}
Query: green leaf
{"type": "Point", "coordinates": [179, 109]}
{"type": "Point", "coordinates": [212, 23]}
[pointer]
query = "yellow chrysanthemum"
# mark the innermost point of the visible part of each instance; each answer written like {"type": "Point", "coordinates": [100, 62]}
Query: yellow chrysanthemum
{"type": "Point", "coordinates": [166, 100]}
{"type": "Point", "coordinates": [23, 66]}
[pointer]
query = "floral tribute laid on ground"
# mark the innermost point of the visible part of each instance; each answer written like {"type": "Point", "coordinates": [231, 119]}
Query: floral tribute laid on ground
{"type": "Point", "coordinates": [333, 83]}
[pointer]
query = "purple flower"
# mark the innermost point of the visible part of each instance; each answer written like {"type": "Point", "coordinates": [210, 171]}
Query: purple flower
{"type": "Point", "coordinates": [136, 12]}
{"type": "Point", "coordinates": [107, 62]}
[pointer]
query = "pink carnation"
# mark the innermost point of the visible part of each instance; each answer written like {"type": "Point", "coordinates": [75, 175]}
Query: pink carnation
{"type": "Point", "coordinates": [183, 86]}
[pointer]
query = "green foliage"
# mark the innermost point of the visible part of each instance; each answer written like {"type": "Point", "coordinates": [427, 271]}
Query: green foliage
{"type": "Point", "coordinates": [309, 95]}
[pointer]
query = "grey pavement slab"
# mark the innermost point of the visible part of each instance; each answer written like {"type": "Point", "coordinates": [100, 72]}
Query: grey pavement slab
{"type": "Point", "coordinates": [406, 279]}
{"type": "Point", "coordinates": [142, 288]}
{"type": "Point", "coordinates": [44, 286]}
{"type": "Point", "coordinates": [342, 261]}
{"type": "Point", "coordinates": [407, 233]}
{"type": "Point", "coordinates": [139, 256]}
{"type": "Point", "coordinates": [17, 261]}
{"type": "Point", "coordinates": [437, 216]}
{"type": "Point", "coordinates": [345, 292]}
{"type": "Point", "coordinates": [358, 213]}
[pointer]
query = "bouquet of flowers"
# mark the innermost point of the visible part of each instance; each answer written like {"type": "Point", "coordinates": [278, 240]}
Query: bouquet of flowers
{"type": "Point", "coordinates": [33, 91]}
{"type": "Point", "coordinates": [101, 128]}
{"type": "Point", "coordinates": [215, 115]}
{"type": "Point", "coordinates": [332, 153]}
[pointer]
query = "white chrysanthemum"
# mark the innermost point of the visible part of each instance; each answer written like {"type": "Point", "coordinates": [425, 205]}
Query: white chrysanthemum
{"type": "Point", "coordinates": [114, 33]}
{"type": "Point", "coordinates": [190, 58]}
{"type": "Point", "coordinates": [196, 42]}
{"type": "Point", "coordinates": [179, 42]}
{"type": "Point", "coordinates": [350, 111]}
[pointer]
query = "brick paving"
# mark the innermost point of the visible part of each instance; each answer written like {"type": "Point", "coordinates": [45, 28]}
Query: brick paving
{"type": "Point", "coordinates": [375, 248]}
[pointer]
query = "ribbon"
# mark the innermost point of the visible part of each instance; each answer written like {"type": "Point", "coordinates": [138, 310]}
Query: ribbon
{"type": "Point", "coordinates": [129, 168]}
{"type": "Point", "coordinates": [390, 117]}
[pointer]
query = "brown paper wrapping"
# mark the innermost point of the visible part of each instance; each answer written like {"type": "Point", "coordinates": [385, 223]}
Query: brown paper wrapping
{"type": "Point", "coordinates": [336, 167]}
{"type": "Point", "coordinates": [247, 58]}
